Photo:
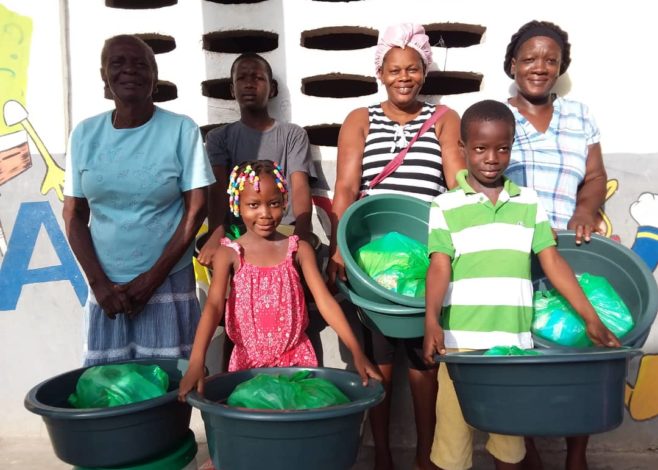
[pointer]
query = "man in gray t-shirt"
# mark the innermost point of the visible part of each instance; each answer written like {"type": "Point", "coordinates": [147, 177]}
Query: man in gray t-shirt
{"type": "Point", "coordinates": [283, 143]}
{"type": "Point", "coordinates": [257, 136]}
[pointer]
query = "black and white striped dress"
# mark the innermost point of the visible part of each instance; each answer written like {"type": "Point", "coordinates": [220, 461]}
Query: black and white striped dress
{"type": "Point", "coordinates": [421, 172]}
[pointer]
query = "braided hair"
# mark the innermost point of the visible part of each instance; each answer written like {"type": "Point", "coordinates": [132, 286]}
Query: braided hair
{"type": "Point", "coordinates": [250, 172]}
{"type": "Point", "coordinates": [538, 28]}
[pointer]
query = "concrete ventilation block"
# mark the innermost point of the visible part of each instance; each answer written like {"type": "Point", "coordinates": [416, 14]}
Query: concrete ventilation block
{"type": "Point", "coordinates": [167, 91]}
{"type": "Point", "coordinates": [240, 41]}
{"type": "Point", "coordinates": [323, 134]}
{"type": "Point", "coordinates": [339, 38]}
{"type": "Point", "coordinates": [218, 88]}
{"type": "Point", "coordinates": [339, 85]}
{"type": "Point", "coordinates": [454, 34]}
{"type": "Point", "coordinates": [451, 83]}
{"type": "Point", "coordinates": [235, 2]}
{"type": "Point", "coordinates": [160, 43]}
{"type": "Point", "coordinates": [208, 127]}
{"type": "Point", "coordinates": [139, 4]}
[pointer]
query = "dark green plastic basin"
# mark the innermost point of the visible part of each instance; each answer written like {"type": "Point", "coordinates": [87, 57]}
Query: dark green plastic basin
{"type": "Point", "coordinates": [373, 217]}
{"type": "Point", "coordinates": [396, 321]}
{"type": "Point", "coordinates": [318, 439]}
{"type": "Point", "coordinates": [625, 270]}
{"type": "Point", "coordinates": [560, 392]}
{"type": "Point", "coordinates": [175, 460]}
{"type": "Point", "coordinates": [117, 436]}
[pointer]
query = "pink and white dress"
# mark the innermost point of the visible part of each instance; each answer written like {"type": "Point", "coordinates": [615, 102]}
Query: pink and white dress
{"type": "Point", "coordinates": [266, 316]}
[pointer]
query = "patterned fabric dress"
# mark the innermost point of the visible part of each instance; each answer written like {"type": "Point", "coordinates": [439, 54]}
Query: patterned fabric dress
{"type": "Point", "coordinates": [266, 316]}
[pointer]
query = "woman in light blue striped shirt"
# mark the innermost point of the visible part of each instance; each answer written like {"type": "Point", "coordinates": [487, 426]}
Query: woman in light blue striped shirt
{"type": "Point", "coordinates": [557, 149]}
{"type": "Point", "coordinates": [556, 152]}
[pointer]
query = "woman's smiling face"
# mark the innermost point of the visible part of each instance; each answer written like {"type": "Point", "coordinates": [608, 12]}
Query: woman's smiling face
{"type": "Point", "coordinates": [536, 66]}
{"type": "Point", "coordinates": [403, 75]}
{"type": "Point", "coordinates": [128, 71]}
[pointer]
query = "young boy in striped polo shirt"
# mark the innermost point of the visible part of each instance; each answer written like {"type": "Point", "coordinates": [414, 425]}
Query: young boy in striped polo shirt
{"type": "Point", "coordinates": [479, 292]}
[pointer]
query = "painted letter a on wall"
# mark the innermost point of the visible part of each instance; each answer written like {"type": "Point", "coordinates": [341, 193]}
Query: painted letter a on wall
{"type": "Point", "coordinates": [15, 272]}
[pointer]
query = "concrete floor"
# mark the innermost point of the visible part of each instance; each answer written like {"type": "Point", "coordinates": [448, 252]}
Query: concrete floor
{"type": "Point", "coordinates": [37, 453]}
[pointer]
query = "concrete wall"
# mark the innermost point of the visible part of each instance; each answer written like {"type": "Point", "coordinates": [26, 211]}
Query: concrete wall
{"type": "Point", "coordinates": [56, 78]}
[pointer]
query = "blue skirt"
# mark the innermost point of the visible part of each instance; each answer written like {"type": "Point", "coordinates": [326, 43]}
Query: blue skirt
{"type": "Point", "coordinates": [165, 328]}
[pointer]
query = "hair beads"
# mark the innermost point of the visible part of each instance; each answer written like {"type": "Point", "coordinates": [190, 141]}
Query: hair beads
{"type": "Point", "coordinates": [249, 172]}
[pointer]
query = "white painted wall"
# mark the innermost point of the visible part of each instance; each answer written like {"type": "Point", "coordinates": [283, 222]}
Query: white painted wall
{"type": "Point", "coordinates": [612, 71]}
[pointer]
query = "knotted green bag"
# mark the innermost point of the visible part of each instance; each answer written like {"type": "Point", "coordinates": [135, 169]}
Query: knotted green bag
{"type": "Point", "coordinates": [299, 391]}
{"type": "Point", "coordinates": [118, 384]}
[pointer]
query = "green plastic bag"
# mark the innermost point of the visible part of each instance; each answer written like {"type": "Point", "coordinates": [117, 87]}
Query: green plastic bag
{"type": "Point", "coordinates": [299, 391]}
{"type": "Point", "coordinates": [510, 351]}
{"type": "Point", "coordinates": [555, 319]}
{"type": "Point", "coordinates": [118, 384]}
{"type": "Point", "coordinates": [396, 262]}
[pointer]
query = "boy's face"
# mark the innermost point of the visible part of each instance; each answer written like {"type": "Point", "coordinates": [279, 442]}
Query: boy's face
{"type": "Point", "coordinates": [487, 151]}
{"type": "Point", "coordinates": [251, 85]}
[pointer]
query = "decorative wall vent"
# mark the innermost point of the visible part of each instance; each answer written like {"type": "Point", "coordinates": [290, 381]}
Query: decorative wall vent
{"type": "Point", "coordinates": [454, 34]}
{"type": "Point", "coordinates": [339, 38]}
{"type": "Point", "coordinates": [323, 134]}
{"type": "Point", "coordinates": [235, 2]}
{"type": "Point", "coordinates": [208, 127]}
{"type": "Point", "coordinates": [338, 85]}
{"type": "Point", "coordinates": [167, 91]}
{"type": "Point", "coordinates": [139, 4]}
{"type": "Point", "coordinates": [451, 83]}
{"type": "Point", "coordinates": [160, 43]}
{"type": "Point", "coordinates": [239, 41]}
{"type": "Point", "coordinates": [218, 88]}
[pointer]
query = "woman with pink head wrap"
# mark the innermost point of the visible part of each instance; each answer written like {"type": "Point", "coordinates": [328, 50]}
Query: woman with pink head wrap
{"type": "Point", "coordinates": [404, 35]}
{"type": "Point", "coordinates": [369, 139]}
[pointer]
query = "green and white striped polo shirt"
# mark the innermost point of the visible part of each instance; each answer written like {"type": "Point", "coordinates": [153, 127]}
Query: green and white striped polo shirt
{"type": "Point", "coordinates": [489, 301]}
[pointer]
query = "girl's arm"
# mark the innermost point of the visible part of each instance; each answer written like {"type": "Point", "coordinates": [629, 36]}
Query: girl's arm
{"type": "Point", "coordinates": [141, 288]}
{"type": "Point", "coordinates": [213, 311]}
{"type": "Point", "coordinates": [76, 219]}
{"type": "Point", "coordinates": [591, 196]}
{"type": "Point", "coordinates": [331, 311]}
{"type": "Point", "coordinates": [563, 279]}
{"type": "Point", "coordinates": [437, 283]}
{"type": "Point", "coordinates": [447, 131]}
{"type": "Point", "coordinates": [351, 143]}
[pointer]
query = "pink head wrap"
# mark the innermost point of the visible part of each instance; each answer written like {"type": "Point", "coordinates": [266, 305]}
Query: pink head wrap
{"type": "Point", "coordinates": [403, 35]}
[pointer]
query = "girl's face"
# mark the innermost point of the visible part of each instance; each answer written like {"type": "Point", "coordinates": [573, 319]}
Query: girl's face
{"type": "Point", "coordinates": [403, 75]}
{"type": "Point", "coordinates": [262, 211]}
{"type": "Point", "coordinates": [536, 66]}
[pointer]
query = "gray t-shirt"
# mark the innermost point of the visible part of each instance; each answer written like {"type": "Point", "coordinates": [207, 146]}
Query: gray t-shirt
{"type": "Point", "coordinates": [284, 143]}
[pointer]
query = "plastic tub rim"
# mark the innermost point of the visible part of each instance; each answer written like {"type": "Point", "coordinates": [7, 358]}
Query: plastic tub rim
{"type": "Point", "coordinates": [355, 270]}
{"type": "Point", "coordinates": [547, 356]}
{"type": "Point", "coordinates": [35, 406]}
{"type": "Point", "coordinates": [248, 414]}
{"type": "Point", "coordinates": [386, 309]}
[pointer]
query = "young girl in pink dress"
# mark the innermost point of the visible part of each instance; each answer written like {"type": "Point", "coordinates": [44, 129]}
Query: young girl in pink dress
{"type": "Point", "coordinates": [266, 316]}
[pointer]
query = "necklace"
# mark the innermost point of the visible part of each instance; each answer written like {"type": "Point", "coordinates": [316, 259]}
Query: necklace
{"type": "Point", "coordinates": [114, 119]}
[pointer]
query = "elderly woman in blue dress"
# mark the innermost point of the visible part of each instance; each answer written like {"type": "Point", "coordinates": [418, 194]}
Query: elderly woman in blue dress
{"type": "Point", "coordinates": [136, 179]}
